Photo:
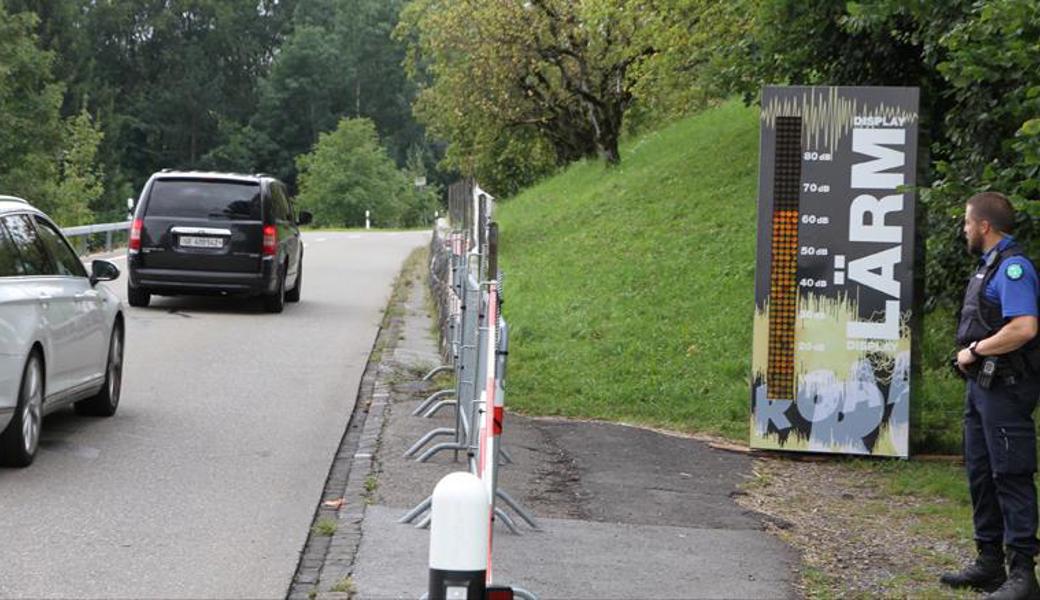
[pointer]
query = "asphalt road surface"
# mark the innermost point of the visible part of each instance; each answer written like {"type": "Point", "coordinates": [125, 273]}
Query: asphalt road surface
{"type": "Point", "coordinates": [204, 483]}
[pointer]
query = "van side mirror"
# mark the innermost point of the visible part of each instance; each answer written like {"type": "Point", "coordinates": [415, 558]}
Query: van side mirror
{"type": "Point", "coordinates": [102, 270]}
{"type": "Point", "coordinates": [304, 218]}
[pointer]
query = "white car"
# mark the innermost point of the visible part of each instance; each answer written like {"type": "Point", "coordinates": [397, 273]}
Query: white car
{"type": "Point", "coordinates": [61, 334]}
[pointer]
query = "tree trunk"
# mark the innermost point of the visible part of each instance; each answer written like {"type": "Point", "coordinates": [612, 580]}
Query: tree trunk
{"type": "Point", "coordinates": [608, 132]}
{"type": "Point", "coordinates": [608, 151]}
{"type": "Point", "coordinates": [357, 98]}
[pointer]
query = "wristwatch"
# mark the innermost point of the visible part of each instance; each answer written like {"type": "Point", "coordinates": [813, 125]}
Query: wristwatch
{"type": "Point", "coordinates": [974, 352]}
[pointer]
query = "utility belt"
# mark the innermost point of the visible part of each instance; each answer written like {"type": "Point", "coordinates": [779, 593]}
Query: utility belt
{"type": "Point", "coordinates": [1006, 369]}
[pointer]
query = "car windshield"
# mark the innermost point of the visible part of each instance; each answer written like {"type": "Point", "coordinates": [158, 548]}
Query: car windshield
{"type": "Point", "coordinates": [204, 199]}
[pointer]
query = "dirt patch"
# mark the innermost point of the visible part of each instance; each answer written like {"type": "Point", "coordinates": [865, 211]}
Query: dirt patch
{"type": "Point", "coordinates": [856, 539]}
{"type": "Point", "coordinates": [555, 486]}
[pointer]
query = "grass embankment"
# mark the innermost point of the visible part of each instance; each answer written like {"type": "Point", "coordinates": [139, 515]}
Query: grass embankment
{"type": "Point", "coordinates": [630, 292]}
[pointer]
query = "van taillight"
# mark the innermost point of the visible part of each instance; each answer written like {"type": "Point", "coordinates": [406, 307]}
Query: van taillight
{"type": "Point", "coordinates": [270, 240]}
{"type": "Point", "coordinates": [135, 235]}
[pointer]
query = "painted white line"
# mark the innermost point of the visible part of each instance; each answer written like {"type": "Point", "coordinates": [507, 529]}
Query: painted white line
{"type": "Point", "coordinates": [321, 239]}
{"type": "Point", "coordinates": [354, 236]}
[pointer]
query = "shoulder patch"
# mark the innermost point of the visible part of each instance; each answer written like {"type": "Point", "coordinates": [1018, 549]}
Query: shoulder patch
{"type": "Point", "coordinates": [1013, 271]}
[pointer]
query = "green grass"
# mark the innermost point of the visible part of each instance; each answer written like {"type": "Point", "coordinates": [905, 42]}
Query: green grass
{"type": "Point", "coordinates": [937, 407]}
{"type": "Point", "coordinates": [630, 290]}
{"type": "Point", "coordinates": [326, 526]}
{"type": "Point", "coordinates": [344, 586]}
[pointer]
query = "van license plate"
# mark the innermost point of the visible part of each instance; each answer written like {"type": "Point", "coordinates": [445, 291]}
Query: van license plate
{"type": "Point", "coordinates": [188, 241]}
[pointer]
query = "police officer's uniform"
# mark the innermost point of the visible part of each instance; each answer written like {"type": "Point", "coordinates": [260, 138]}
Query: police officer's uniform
{"type": "Point", "coordinates": [999, 433]}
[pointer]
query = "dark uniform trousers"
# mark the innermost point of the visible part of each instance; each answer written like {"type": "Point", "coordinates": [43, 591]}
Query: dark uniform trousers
{"type": "Point", "coordinates": [1000, 456]}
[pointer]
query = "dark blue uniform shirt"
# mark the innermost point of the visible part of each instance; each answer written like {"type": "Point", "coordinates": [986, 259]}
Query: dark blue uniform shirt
{"type": "Point", "coordinates": [1014, 285]}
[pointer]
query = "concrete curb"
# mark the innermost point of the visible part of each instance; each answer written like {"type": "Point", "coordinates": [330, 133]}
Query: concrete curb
{"type": "Point", "coordinates": [327, 562]}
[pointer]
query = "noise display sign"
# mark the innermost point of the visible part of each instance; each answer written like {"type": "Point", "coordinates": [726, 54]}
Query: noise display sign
{"type": "Point", "coordinates": [834, 276]}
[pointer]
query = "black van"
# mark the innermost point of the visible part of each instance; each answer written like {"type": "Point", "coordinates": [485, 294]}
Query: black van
{"type": "Point", "coordinates": [215, 233]}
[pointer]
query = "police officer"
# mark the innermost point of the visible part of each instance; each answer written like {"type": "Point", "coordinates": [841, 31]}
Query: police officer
{"type": "Point", "coordinates": [1000, 357]}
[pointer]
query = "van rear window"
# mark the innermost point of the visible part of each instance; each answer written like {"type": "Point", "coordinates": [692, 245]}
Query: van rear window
{"type": "Point", "coordinates": [201, 198]}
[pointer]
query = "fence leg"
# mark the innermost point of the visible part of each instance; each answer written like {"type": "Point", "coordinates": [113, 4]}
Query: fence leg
{"type": "Point", "coordinates": [430, 400]}
{"type": "Point", "coordinates": [108, 241]}
{"type": "Point", "coordinates": [507, 521]}
{"type": "Point", "coordinates": [436, 370]}
{"type": "Point", "coordinates": [426, 439]}
{"type": "Point", "coordinates": [437, 407]}
{"type": "Point", "coordinates": [418, 510]}
{"type": "Point", "coordinates": [506, 457]}
{"type": "Point", "coordinates": [441, 448]}
{"type": "Point", "coordinates": [513, 504]}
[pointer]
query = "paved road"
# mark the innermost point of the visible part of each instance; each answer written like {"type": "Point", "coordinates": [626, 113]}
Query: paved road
{"type": "Point", "coordinates": [205, 482]}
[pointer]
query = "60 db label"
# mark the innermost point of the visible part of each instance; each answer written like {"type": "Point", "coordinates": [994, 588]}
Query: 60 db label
{"type": "Point", "coordinates": [816, 220]}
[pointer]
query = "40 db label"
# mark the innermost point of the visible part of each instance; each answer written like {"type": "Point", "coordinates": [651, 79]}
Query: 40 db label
{"type": "Point", "coordinates": [812, 283]}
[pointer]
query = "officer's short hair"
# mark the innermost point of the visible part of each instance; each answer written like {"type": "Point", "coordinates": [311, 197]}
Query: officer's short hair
{"type": "Point", "coordinates": [995, 208]}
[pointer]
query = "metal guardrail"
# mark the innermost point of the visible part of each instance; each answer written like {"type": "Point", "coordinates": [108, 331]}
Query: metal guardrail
{"type": "Point", "coordinates": [82, 235]}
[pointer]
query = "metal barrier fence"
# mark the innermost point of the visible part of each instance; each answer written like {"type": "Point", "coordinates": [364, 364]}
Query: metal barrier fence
{"type": "Point", "coordinates": [88, 238]}
{"type": "Point", "coordinates": [469, 290]}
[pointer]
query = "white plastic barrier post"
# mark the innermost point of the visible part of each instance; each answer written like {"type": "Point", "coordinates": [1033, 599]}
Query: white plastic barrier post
{"type": "Point", "coordinates": [368, 224]}
{"type": "Point", "coordinates": [459, 538]}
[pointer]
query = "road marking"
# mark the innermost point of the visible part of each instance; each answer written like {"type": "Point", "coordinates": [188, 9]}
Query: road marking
{"type": "Point", "coordinates": [321, 239]}
{"type": "Point", "coordinates": [354, 236]}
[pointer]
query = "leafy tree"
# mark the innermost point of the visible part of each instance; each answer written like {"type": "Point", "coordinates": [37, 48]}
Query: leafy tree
{"type": "Point", "coordinates": [29, 103]}
{"type": "Point", "coordinates": [349, 173]}
{"type": "Point", "coordinates": [301, 97]}
{"type": "Point", "coordinates": [162, 78]}
{"type": "Point", "coordinates": [244, 150]}
{"type": "Point", "coordinates": [704, 51]}
{"type": "Point", "coordinates": [502, 75]}
{"type": "Point", "coordinates": [339, 61]}
{"type": "Point", "coordinates": [48, 160]}
{"type": "Point", "coordinates": [79, 182]}
{"type": "Point", "coordinates": [991, 131]}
